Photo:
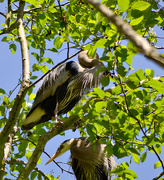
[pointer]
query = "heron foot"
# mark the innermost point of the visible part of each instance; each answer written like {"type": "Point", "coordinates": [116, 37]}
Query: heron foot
{"type": "Point", "coordinates": [57, 120]}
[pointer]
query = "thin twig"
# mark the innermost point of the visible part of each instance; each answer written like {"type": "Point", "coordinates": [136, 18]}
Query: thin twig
{"type": "Point", "coordinates": [159, 176]}
{"type": "Point", "coordinates": [3, 14]}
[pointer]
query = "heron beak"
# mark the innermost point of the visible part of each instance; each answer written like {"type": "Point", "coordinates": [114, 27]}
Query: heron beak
{"type": "Point", "coordinates": [53, 157]}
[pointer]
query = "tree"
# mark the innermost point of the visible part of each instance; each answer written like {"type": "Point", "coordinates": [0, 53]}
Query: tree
{"type": "Point", "coordinates": [128, 116]}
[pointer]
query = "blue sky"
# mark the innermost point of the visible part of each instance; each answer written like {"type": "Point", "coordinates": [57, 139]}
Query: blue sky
{"type": "Point", "coordinates": [10, 72]}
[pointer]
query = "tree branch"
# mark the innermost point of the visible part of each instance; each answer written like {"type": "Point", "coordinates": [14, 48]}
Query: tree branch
{"type": "Point", "coordinates": [57, 129]}
{"type": "Point", "coordinates": [8, 16]}
{"type": "Point", "coordinates": [159, 176]}
{"type": "Point", "coordinates": [123, 27]}
{"type": "Point", "coordinates": [48, 156]}
{"type": "Point", "coordinates": [9, 143]}
{"type": "Point", "coordinates": [21, 94]}
{"type": "Point", "coordinates": [18, 161]}
{"type": "Point", "coordinates": [3, 14]}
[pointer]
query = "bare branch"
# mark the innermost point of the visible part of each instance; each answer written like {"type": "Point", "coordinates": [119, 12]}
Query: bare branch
{"type": "Point", "coordinates": [3, 14]}
{"type": "Point", "coordinates": [8, 16]}
{"type": "Point", "coordinates": [142, 45]}
{"type": "Point", "coordinates": [159, 47]}
{"type": "Point", "coordinates": [159, 176]}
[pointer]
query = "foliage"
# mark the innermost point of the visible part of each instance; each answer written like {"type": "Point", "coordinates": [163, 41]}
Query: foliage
{"type": "Point", "coordinates": [129, 116]}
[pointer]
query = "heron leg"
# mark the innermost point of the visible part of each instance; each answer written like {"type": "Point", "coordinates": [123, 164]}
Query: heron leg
{"type": "Point", "coordinates": [55, 117]}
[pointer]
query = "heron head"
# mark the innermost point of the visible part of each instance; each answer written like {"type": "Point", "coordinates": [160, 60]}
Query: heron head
{"type": "Point", "coordinates": [88, 61]}
{"type": "Point", "coordinates": [65, 146]}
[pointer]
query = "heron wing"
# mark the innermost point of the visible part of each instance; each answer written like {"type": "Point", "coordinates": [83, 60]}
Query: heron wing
{"type": "Point", "coordinates": [50, 83]}
{"type": "Point", "coordinates": [77, 85]}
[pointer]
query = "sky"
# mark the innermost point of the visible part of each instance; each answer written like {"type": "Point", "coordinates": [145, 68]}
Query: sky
{"type": "Point", "coordinates": [10, 72]}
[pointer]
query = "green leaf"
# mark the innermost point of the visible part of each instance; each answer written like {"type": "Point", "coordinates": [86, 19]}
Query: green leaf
{"type": "Point", "coordinates": [6, 38]}
{"type": "Point", "coordinates": [42, 20]}
{"type": "Point", "coordinates": [100, 106]}
{"type": "Point", "coordinates": [39, 177]}
{"type": "Point", "coordinates": [158, 148]}
{"type": "Point", "coordinates": [33, 175]}
{"type": "Point", "coordinates": [136, 158]}
{"type": "Point", "coordinates": [143, 156]}
{"type": "Point", "coordinates": [39, 160]}
{"type": "Point", "coordinates": [99, 92]}
{"type": "Point", "coordinates": [33, 77]}
{"type": "Point", "coordinates": [134, 151]}
{"type": "Point", "coordinates": [28, 155]}
{"type": "Point", "coordinates": [159, 86]}
{"type": "Point", "coordinates": [31, 97]}
{"type": "Point", "coordinates": [157, 164]}
{"type": "Point", "coordinates": [105, 81]}
{"type": "Point", "coordinates": [36, 56]}
{"type": "Point", "coordinates": [53, 50]}
{"type": "Point", "coordinates": [44, 68]}
{"type": "Point", "coordinates": [2, 91]}
{"type": "Point", "coordinates": [121, 70]}
{"type": "Point", "coordinates": [123, 5]}
{"type": "Point", "coordinates": [6, 100]}
{"type": "Point", "coordinates": [149, 73]}
{"type": "Point", "coordinates": [129, 60]}
{"type": "Point", "coordinates": [140, 5]}
{"type": "Point", "coordinates": [134, 112]}
{"type": "Point", "coordinates": [58, 42]}
{"type": "Point", "coordinates": [35, 67]}
{"type": "Point", "coordinates": [140, 74]}
{"type": "Point", "coordinates": [2, 110]}
{"type": "Point", "coordinates": [13, 48]}
{"type": "Point", "coordinates": [136, 21]}
{"type": "Point", "coordinates": [101, 43]}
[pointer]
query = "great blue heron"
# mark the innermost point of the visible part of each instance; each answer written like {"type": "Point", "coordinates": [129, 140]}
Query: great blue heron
{"type": "Point", "coordinates": [62, 88]}
{"type": "Point", "coordinates": [88, 163]}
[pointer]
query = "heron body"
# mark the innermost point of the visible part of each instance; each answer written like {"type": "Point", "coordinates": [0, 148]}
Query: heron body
{"type": "Point", "coordinates": [87, 163]}
{"type": "Point", "coordinates": [62, 88]}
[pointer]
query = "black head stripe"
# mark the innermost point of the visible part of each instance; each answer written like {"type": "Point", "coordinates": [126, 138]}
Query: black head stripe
{"type": "Point", "coordinates": [72, 67]}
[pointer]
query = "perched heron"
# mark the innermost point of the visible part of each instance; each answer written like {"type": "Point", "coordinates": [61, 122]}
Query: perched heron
{"type": "Point", "coordinates": [62, 88]}
{"type": "Point", "coordinates": [87, 163]}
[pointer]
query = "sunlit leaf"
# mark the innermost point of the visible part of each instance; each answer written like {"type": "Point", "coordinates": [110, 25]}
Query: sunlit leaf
{"type": "Point", "coordinates": [31, 97]}
{"type": "Point", "coordinates": [2, 91]}
{"type": "Point", "coordinates": [140, 5]}
{"type": "Point", "coordinates": [136, 158]}
{"type": "Point", "coordinates": [157, 164]}
{"type": "Point", "coordinates": [123, 5]}
{"type": "Point", "coordinates": [13, 48]}
{"type": "Point", "coordinates": [143, 156]}
{"type": "Point", "coordinates": [58, 42]}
